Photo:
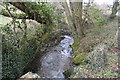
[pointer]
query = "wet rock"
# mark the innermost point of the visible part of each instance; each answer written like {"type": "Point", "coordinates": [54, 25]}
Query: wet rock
{"type": "Point", "coordinates": [30, 75]}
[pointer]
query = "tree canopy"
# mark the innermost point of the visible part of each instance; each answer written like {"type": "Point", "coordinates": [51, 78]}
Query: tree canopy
{"type": "Point", "coordinates": [38, 11]}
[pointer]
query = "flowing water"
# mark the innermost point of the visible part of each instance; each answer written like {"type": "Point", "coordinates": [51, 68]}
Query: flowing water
{"type": "Point", "coordinates": [56, 60]}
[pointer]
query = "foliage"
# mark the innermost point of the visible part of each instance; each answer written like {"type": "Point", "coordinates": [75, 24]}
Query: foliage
{"type": "Point", "coordinates": [68, 72]}
{"type": "Point", "coordinates": [45, 10]}
{"type": "Point", "coordinates": [95, 16]}
{"type": "Point", "coordinates": [75, 47]}
{"type": "Point", "coordinates": [19, 50]}
{"type": "Point", "coordinates": [80, 59]}
{"type": "Point", "coordinates": [78, 67]}
{"type": "Point", "coordinates": [86, 72]}
{"type": "Point", "coordinates": [98, 34]}
{"type": "Point", "coordinates": [107, 74]}
{"type": "Point", "coordinates": [7, 30]}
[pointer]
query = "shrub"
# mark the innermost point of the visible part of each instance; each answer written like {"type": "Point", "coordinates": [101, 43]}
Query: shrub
{"type": "Point", "coordinates": [20, 44]}
{"type": "Point", "coordinates": [18, 50]}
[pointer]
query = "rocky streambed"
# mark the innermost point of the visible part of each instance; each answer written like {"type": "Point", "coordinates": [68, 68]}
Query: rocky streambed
{"type": "Point", "coordinates": [56, 60]}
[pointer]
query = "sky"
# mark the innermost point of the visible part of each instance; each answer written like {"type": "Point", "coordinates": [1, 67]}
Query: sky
{"type": "Point", "coordinates": [102, 1]}
{"type": "Point", "coordinates": [110, 2]}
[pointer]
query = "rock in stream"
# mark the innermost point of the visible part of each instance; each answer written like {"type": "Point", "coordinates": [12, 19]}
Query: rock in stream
{"type": "Point", "coordinates": [56, 60]}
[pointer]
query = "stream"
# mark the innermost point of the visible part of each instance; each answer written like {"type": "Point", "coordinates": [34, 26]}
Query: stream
{"type": "Point", "coordinates": [56, 61]}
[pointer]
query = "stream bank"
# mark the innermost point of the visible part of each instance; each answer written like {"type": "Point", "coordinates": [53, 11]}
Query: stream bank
{"type": "Point", "coordinates": [56, 60]}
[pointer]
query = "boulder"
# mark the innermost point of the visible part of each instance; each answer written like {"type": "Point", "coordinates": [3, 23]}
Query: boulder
{"type": "Point", "coordinates": [30, 75]}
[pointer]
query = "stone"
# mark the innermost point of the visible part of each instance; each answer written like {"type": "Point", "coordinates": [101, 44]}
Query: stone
{"type": "Point", "coordinates": [30, 75]}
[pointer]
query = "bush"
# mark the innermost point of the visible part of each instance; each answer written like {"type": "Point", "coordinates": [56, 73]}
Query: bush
{"type": "Point", "coordinates": [18, 50]}
{"type": "Point", "coordinates": [20, 43]}
{"type": "Point", "coordinates": [15, 57]}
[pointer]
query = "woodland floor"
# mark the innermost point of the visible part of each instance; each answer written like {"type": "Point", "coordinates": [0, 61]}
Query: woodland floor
{"type": "Point", "coordinates": [106, 34]}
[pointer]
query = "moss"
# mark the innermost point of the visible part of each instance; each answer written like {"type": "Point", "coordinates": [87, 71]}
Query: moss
{"type": "Point", "coordinates": [80, 58]}
{"type": "Point", "coordinates": [75, 47]}
{"type": "Point", "coordinates": [68, 73]}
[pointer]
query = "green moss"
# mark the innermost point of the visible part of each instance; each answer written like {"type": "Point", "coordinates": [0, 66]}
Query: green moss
{"type": "Point", "coordinates": [68, 72]}
{"type": "Point", "coordinates": [80, 58]}
{"type": "Point", "coordinates": [75, 46]}
{"type": "Point", "coordinates": [76, 52]}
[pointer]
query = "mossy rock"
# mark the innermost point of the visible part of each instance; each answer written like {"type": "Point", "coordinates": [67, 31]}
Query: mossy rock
{"type": "Point", "coordinates": [75, 47]}
{"type": "Point", "coordinates": [67, 73]}
{"type": "Point", "coordinates": [80, 59]}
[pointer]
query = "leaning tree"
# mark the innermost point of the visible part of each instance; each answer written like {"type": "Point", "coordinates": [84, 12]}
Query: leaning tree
{"type": "Point", "coordinates": [37, 11]}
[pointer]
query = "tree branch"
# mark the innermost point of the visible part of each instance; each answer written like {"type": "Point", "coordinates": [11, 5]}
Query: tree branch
{"type": "Point", "coordinates": [34, 15]}
{"type": "Point", "coordinates": [21, 6]}
{"type": "Point", "coordinates": [14, 15]}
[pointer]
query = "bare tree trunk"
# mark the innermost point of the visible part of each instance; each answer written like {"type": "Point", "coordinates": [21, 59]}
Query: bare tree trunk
{"type": "Point", "coordinates": [69, 17]}
{"type": "Point", "coordinates": [76, 9]}
{"type": "Point", "coordinates": [114, 9]}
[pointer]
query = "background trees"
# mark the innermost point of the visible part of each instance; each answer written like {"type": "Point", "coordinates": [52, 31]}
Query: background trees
{"type": "Point", "coordinates": [115, 9]}
{"type": "Point", "coordinates": [74, 12]}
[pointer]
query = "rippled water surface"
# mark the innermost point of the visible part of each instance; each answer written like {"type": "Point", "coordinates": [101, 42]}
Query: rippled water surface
{"type": "Point", "coordinates": [56, 60]}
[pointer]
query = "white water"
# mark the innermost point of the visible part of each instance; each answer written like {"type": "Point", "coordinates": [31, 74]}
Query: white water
{"type": "Point", "coordinates": [56, 60]}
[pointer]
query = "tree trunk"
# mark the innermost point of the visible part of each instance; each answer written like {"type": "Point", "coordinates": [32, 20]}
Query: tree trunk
{"type": "Point", "coordinates": [69, 17]}
{"type": "Point", "coordinates": [114, 9]}
{"type": "Point", "coordinates": [76, 9]}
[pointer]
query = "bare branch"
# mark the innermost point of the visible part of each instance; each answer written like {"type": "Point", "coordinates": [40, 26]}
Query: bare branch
{"type": "Point", "coordinates": [34, 15]}
{"type": "Point", "coordinates": [14, 15]}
